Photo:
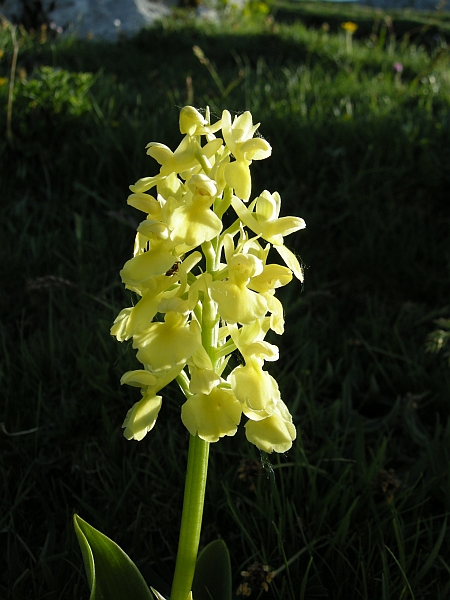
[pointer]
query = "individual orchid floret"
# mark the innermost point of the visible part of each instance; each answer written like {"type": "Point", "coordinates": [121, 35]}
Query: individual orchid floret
{"type": "Point", "coordinates": [146, 203]}
{"type": "Point", "coordinates": [275, 433]}
{"type": "Point", "coordinates": [142, 416]}
{"type": "Point", "coordinates": [236, 303]}
{"type": "Point", "coordinates": [194, 223]}
{"type": "Point", "coordinates": [239, 139]}
{"type": "Point", "coordinates": [145, 183]}
{"type": "Point", "coordinates": [272, 277]}
{"type": "Point", "coordinates": [249, 340]}
{"type": "Point", "coordinates": [131, 321]}
{"type": "Point", "coordinates": [164, 345]}
{"type": "Point", "coordinates": [173, 162]}
{"type": "Point", "coordinates": [264, 221]}
{"type": "Point", "coordinates": [185, 157]}
{"type": "Point", "coordinates": [192, 122]}
{"type": "Point", "coordinates": [134, 319]}
{"type": "Point", "coordinates": [255, 389]}
{"type": "Point", "coordinates": [212, 416]}
{"type": "Point", "coordinates": [142, 268]}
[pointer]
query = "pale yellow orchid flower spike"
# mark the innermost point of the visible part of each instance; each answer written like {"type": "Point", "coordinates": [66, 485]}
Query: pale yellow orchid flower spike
{"type": "Point", "coordinates": [205, 288]}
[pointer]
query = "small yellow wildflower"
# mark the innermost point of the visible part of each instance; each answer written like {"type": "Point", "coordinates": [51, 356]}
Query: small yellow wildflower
{"type": "Point", "coordinates": [349, 26]}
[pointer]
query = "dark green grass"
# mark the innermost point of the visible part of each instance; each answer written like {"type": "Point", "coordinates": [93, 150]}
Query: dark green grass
{"type": "Point", "coordinates": [357, 509]}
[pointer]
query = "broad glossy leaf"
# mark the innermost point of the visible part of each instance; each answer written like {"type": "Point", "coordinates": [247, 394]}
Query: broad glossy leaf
{"type": "Point", "coordinates": [212, 579]}
{"type": "Point", "coordinates": [112, 575]}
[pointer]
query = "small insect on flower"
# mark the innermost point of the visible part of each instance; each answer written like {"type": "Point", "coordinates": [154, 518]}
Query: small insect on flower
{"type": "Point", "coordinates": [173, 269]}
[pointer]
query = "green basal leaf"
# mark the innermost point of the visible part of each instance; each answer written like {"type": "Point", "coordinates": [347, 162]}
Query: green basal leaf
{"type": "Point", "coordinates": [112, 575]}
{"type": "Point", "coordinates": [212, 579]}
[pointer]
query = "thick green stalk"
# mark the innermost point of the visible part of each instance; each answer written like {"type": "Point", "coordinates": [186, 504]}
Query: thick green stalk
{"type": "Point", "coordinates": [197, 467]}
{"type": "Point", "coordinates": [191, 519]}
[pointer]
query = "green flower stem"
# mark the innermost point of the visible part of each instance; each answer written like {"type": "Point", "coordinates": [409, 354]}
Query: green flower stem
{"type": "Point", "coordinates": [197, 467]}
{"type": "Point", "coordinates": [191, 519]}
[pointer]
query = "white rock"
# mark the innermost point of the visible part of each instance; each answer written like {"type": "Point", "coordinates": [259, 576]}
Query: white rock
{"type": "Point", "coordinates": [103, 19]}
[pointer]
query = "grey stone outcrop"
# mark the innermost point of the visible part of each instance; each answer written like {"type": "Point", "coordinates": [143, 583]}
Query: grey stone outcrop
{"type": "Point", "coordinates": [104, 19]}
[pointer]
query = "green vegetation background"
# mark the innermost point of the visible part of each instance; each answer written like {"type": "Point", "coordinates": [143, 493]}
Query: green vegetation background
{"type": "Point", "coordinates": [360, 130]}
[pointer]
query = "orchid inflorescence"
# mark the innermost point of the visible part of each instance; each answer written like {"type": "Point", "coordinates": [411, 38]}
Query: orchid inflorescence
{"type": "Point", "coordinates": [206, 290]}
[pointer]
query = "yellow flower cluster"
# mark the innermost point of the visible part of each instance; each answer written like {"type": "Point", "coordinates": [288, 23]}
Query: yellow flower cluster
{"type": "Point", "coordinates": [205, 289]}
